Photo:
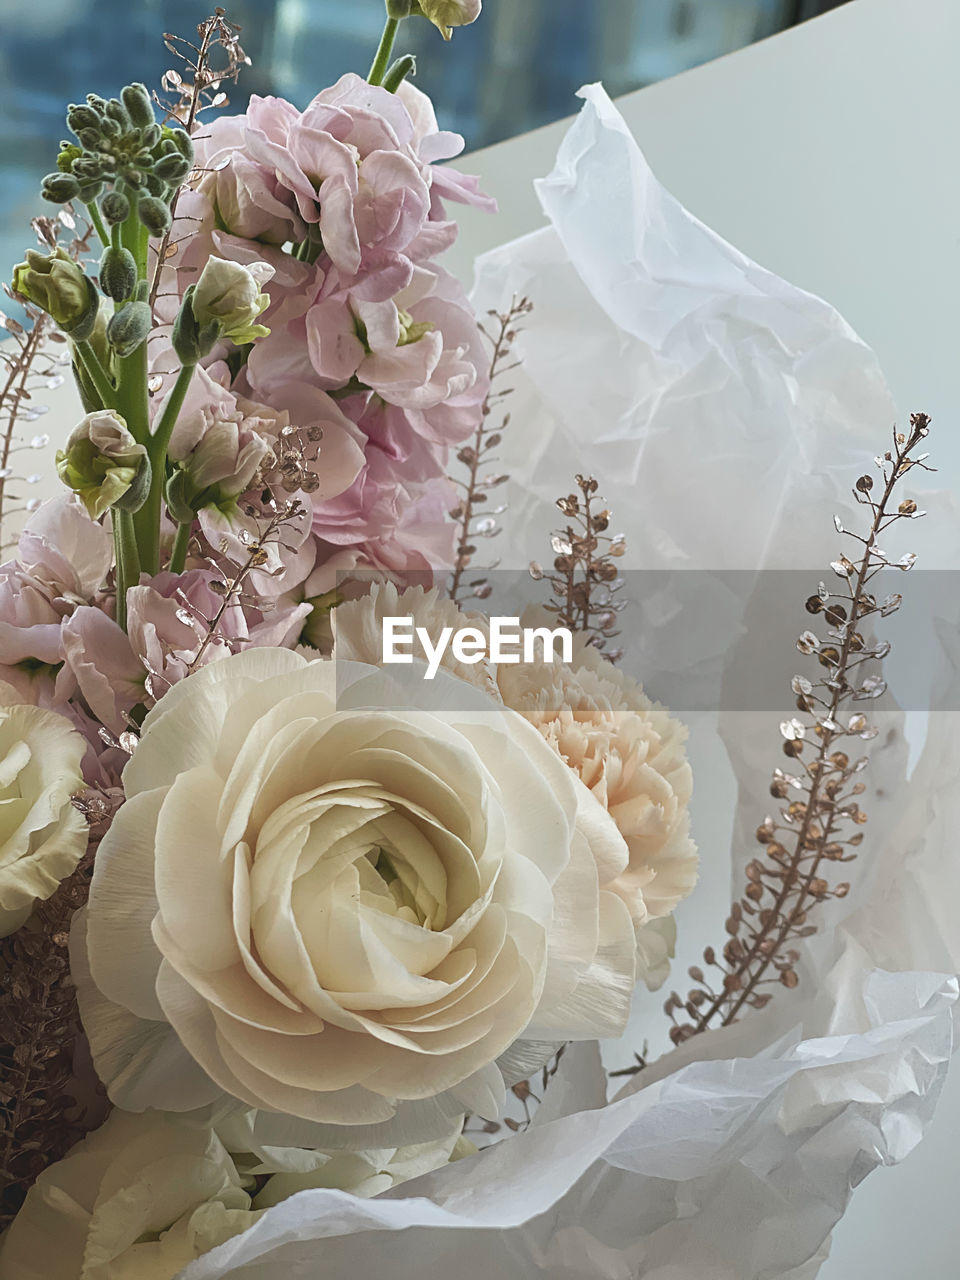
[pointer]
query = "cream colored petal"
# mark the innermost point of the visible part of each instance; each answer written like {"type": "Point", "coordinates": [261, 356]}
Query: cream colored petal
{"type": "Point", "coordinates": [184, 727]}
{"type": "Point", "coordinates": [123, 958]}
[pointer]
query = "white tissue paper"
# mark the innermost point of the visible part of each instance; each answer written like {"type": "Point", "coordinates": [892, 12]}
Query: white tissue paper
{"type": "Point", "coordinates": [725, 414]}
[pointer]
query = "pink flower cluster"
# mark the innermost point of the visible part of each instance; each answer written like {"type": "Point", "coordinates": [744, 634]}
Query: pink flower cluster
{"type": "Point", "coordinates": [371, 340]}
{"type": "Point", "coordinates": [372, 370]}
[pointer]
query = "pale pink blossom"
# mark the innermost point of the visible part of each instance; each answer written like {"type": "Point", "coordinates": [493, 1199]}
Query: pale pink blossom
{"type": "Point", "coordinates": [109, 676]}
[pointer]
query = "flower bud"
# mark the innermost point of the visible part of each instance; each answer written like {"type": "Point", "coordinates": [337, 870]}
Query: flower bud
{"type": "Point", "coordinates": [87, 168]}
{"type": "Point", "coordinates": [154, 213]}
{"type": "Point", "coordinates": [399, 70]}
{"type": "Point", "coordinates": [59, 188]}
{"type": "Point", "coordinates": [401, 8]}
{"type": "Point", "coordinates": [89, 138]}
{"type": "Point", "coordinates": [446, 14]}
{"type": "Point", "coordinates": [129, 327]}
{"type": "Point", "coordinates": [139, 107]}
{"type": "Point", "coordinates": [172, 168]}
{"type": "Point", "coordinates": [118, 273]}
{"type": "Point", "coordinates": [115, 207]}
{"type": "Point", "coordinates": [115, 110]}
{"type": "Point", "coordinates": [104, 465]}
{"type": "Point", "coordinates": [109, 128]}
{"type": "Point", "coordinates": [181, 140]}
{"type": "Point", "coordinates": [90, 191]}
{"type": "Point", "coordinates": [57, 285]}
{"type": "Point", "coordinates": [151, 136]}
{"type": "Point", "coordinates": [228, 294]}
{"type": "Point", "coordinates": [80, 117]}
{"type": "Point", "coordinates": [67, 154]}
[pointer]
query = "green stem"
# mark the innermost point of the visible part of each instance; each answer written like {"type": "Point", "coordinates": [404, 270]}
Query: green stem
{"type": "Point", "coordinates": [178, 557]}
{"type": "Point", "coordinates": [147, 519]}
{"type": "Point", "coordinates": [128, 560]}
{"type": "Point", "coordinates": [382, 61]}
{"type": "Point", "coordinates": [97, 374]}
{"type": "Point", "coordinates": [98, 224]}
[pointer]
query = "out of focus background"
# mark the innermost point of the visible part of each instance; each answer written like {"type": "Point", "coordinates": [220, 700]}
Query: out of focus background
{"type": "Point", "coordinates": [516, 69]}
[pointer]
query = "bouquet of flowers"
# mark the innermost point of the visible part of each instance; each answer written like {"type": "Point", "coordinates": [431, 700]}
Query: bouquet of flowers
{"type": "Point", "coordinates": [284, 927]}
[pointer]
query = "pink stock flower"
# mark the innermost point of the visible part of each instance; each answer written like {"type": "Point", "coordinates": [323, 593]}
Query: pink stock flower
{"type": "Point", "coordinates": [108, 674]}
{"type": "Point", "coordinates": [63, 560]}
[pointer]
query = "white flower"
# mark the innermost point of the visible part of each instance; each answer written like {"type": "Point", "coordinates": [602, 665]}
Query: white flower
{"type": "Point", "coordinates": [228, 293]}
{"type": "Point", "coordinates": [358, 629]}
{"type": "Point", "coordinates": [323, 902]}
{"type": "Point", "coordinates": [146, 1194]}
{"type": "Point", "coordinates": [136, 1200]}
{"type": "Point", "coordinates": [42, 835]}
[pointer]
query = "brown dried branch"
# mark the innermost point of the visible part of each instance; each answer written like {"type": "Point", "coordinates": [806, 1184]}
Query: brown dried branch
{"type": "Point", "coordinates": [585, 578]}
{"type": "Point", "coordinates": [201, 91]}
{"type": "Point", "coordinates": [813, 828]}
{"type": "Point", "coordinates": [42, 1108]}
{"type": "Point", "coordinates": [476, 457]}
{"type": "Point", "coordinates": [231, 587]}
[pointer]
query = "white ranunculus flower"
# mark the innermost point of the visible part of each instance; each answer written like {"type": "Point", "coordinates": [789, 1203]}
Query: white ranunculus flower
{"type": "Point", "coordinates": [42, 835]}
{"type": "Point", "coordinates": [136, 1200]}
{"type": "Point", "coordinates": [147, 1193]}
{"type": "Point", "coordinates": [325, 902]}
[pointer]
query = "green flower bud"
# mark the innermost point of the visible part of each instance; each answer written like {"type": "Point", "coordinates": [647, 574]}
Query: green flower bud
{"type": "Point", "coordinates": [401, 8]}
{"type": "Point", "coordinates": [90, 192]}
{"type": "Point", "coordinates": [109, 128]}
{"type": "Point", "coordinates": [181, 140]}
{"type": "Point", "coordinates": [97, 103]}
{"type": "Point", "coordinates": [68, 153]}
{"type": "Point", "coordinates": [129, 327]}
{"type": "Point", "coordinates": [105, 465]}
{"type": "Point", "coordinates": [79, 117]}
{"type": "Point", "coordinates": [190, 342]}
{"type": "Point", "coordinates": [136, 99]}
{"type": "Point", "coordinates": [399, 70]}
{"type": "Point", "coordinates": [115, 110]}
{"type": "Point", "coordinates": [118, 273]}
{"type": "Point", "coordinates": [155, 187]}
{"type": "Point", "coordinates": [180, 495]}
{"type": "Point", "coordinates": [60, 187]}
{"type": "Point", "coordinates": [115, 207]}
{"type": "Point", "coordinates": [154, 213]}
{"type": "Point", "coordinates": [87, 168]}
{"type": "Point", "coordinates": [172, 168]}
{"type": "Point", "coordinates": [150, 137]}
{"type": "Point", "coordinates": [57, 285]}
{"type": "Point", "coordinates": [89, 138]}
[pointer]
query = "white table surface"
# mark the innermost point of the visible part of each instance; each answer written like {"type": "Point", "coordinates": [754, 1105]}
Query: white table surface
{"type": "Point", "coordinates": [828, 155]}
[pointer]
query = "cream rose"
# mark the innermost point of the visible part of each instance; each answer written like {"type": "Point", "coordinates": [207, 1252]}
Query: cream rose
{"type": "Point", "coordinates": [146, 1194]}
{"type": "Point", "coordinates": [42, 835]}
{"type": "Point", "coordinates": [325, 902]}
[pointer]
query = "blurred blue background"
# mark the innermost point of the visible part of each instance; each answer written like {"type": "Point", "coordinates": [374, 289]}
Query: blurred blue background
{"type": "Point", "coordinates": [515, 69]}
